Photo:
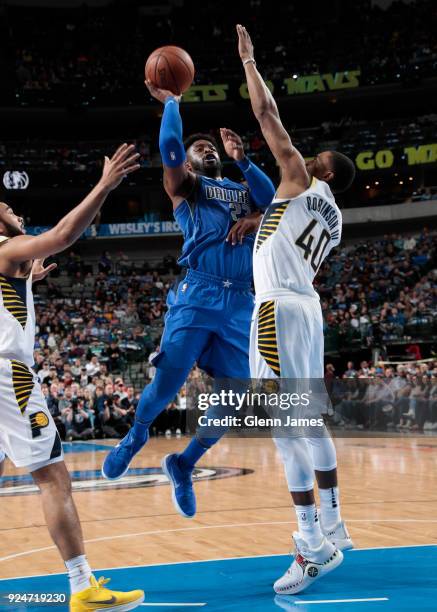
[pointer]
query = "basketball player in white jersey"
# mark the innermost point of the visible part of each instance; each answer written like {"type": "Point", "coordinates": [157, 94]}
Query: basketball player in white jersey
{"type": "Point", "coordinates": [299, 228]}
{"type": "Point", "coordinates": [28, 433]}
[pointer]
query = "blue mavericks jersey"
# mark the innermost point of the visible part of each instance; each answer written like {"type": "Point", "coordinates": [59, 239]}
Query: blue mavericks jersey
{"type": "Point", "coordinates": [205, 220]}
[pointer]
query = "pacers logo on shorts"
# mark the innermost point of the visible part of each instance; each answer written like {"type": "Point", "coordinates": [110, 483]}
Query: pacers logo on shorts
{"type": "Point", "coordinates": [38, 420]}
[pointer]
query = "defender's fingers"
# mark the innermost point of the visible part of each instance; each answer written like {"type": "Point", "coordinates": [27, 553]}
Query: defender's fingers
{"type": "Point", "coordinates": [123, 155]}
{"type": "Point", "coordinates": [132, 168]}
{"type": "Point", "coordinates": [129, 160]}
{"type": "Point", "coordinates": [118, 152]}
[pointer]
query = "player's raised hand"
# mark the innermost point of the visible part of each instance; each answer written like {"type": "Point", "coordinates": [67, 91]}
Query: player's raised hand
{"type": "Point", "coordinates": [245, 226]}
{"type": "Point", "coordinates": [122, 163]}
{"type": "Point", "coordinates": [245, 45]}
{"type": "Point", "coordinates": [160, 94]}
{"type": "Point", "coordinates": [39, 272]}
{"type": "Point", "coordinates": [232, 144]}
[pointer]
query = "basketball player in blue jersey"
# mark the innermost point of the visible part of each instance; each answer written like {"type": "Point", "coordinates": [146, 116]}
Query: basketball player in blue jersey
{"type": "Point", "coordinates": [208, 321]}
{"type": "Point", "coordinates": [28, 434]}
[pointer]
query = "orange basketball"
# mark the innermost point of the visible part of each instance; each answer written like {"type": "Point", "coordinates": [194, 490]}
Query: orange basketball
{"type": "Point", "coordinates": [170, 68]}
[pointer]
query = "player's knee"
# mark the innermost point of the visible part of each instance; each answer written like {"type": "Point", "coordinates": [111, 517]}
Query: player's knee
{"type": "Point", "coordinates": [53, 476]}
{"type": "Point", "coordinates": [164, 386]}
{"type": "Point", "coordinates": [323, 452]}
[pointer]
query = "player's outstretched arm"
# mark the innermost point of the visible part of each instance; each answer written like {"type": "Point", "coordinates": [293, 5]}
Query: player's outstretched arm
{"type": "Point", "coordinates": [72, 226]}
{"type": "Point", "coordinates": [178, 180]}
{"type": "Point", "coordinates": [261, 187]}
{"type": "Point", "coordinates": [289, 159]}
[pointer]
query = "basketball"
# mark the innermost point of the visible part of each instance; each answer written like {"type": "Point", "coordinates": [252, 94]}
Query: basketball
{"type": "Point", "coordinates": [170, 68]}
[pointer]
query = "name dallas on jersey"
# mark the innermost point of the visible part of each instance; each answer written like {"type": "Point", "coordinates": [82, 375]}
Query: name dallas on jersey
{"type": "Point", "coordinates": [227, 195]}
{"type": "Point", "coordinates": [327, 211]}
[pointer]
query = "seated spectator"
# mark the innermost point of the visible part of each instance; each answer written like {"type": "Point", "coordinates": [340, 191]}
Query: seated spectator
{"type": "Point", "coordinates": [77, 422]}
{"type": "Point", "coordinates": [114, 418]}
{"type": "Point", "coordinates": [93, 366]}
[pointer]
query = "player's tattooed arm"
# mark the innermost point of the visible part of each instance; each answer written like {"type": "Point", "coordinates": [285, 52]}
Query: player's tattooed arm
{"type": "Point", "coordinates": [265, 109]}
{"type": "Point", "coordinates": [71, 227]}
{"type": "Point", "coordinates": [179, 181]}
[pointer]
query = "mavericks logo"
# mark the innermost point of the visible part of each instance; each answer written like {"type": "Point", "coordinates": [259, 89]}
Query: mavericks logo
{"type": "Point", "coordinates": [92, 480]}
{"type": "Point", "coordinates": [16, 179]}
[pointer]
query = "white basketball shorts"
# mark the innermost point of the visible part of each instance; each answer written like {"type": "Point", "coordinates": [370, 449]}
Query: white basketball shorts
{"type": "Point", "coordinates": [28, 434]}
{"type": "Point", "coordinates": [286, 338]}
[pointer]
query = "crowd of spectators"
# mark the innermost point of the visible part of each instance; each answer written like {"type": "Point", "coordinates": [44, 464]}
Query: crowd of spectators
{"type": "Point", "coordinates": [381, 396]}
{"type": "Point", "coordinates": [346, 135]}
{"type": "Point", "coordinates": [90, 327]}
{"type": "Point", "coordinates": [79, 163]}
{"type": "Point", "coordinates": [99, 325]}
{"type": "Point", "coordinates": [92, 52]}
{"type": "Point", "coordinates": [88, 402]}
{"type": "Point", "coordinates": [380, 291]}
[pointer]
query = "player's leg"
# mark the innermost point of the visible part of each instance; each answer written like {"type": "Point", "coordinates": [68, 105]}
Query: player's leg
{"type": "Point", "coordinates": [87, 593]}
{"type": "Point", "coordinates": [270, 361]}
{"type": "Point", "coordinates": [324, 459]}
{"type": "Point", "coordinates": [279, 349]}
{"type": "Point", "coordinates": [155, 397]}
{"type": "Point", "coordinates": [182, 342]}
{"type": "Point", "coordinates": [322, 448]}
{"type": "Point", "coordinates": [29, 437]}
{"type": "Point", "coordinates": [227, 359]}
{"type": "Point", "coordinates": [179, 467]}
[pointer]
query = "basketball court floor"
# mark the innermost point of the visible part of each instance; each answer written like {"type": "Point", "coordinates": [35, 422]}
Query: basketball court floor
{"type": "Point", "coordinates": [229, 555]}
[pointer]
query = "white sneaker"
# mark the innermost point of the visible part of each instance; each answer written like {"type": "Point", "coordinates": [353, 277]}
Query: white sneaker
{"type": "Point", "coordinates": [427, 425]}
{"type": "Point", "coordinates": [308, 566]}
{"type": "Point", "coordinates": [339, 536]}
{"type": "Point", "coordinates": [168, 433]}
{"type": "Point", "coordinates": [178, 433]}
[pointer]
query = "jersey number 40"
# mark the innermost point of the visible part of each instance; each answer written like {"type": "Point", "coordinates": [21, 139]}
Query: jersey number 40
{"type": "Point", "coordinates": [305, 242]}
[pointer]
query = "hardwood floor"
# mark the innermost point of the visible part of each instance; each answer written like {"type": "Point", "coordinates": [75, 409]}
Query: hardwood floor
{"type": "Point", "coordinates": [388, 492]}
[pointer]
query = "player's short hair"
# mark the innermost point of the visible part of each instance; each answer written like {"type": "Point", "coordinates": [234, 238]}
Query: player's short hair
{"type": "Point", "coordinates": [344, 172]}
{"type": "Point", "coordinates": [199, 136]}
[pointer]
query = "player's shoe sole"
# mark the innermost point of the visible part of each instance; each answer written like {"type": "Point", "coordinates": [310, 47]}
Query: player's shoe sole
{"type": "Point", "coordinates": [114, 477]}
{"type": "Point", "coordinates": [122, 607]}
{"type": "Point", "coordinates": [174, 485]}
{"type": "Point", "coordinates": [97, 598]}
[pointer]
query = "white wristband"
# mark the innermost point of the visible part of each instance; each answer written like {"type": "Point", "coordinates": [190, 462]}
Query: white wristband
{"type": "Point", "coordinates": [249, 61]}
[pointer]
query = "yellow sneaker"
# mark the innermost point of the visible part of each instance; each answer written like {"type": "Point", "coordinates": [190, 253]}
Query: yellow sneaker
{"type": "Point", "coordinates": [96, 597]}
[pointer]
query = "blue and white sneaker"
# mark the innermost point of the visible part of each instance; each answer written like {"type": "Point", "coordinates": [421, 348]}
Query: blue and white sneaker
{"type": "Point", "coordinates": [182, 485]}
{"type": "Point", "coordinates": [117, 461]}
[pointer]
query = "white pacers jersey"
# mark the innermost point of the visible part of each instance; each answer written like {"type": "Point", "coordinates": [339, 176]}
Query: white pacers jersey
{"type": "Point", "coordinates": [295, 236]}
{"type": "Point", "coordinates": [17, 318]}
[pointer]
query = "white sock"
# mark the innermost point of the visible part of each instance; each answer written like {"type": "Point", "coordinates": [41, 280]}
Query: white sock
{"type": "Point", "coordinates": [79, 573]}
{"type": "Point", "coordinates": [330, 507]}
{"type": "Point", "coordinates": [309, 525]}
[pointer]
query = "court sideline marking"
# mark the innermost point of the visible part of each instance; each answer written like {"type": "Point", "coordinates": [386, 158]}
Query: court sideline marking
{"type": "Point", "coordinates": [169, 563]}
{"type": "Point", "coordinates": [329, 601]}
{"type": "Point", "coordinates": [179, 605]}
{"type": "Point", "coordinates": [203, 527]}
